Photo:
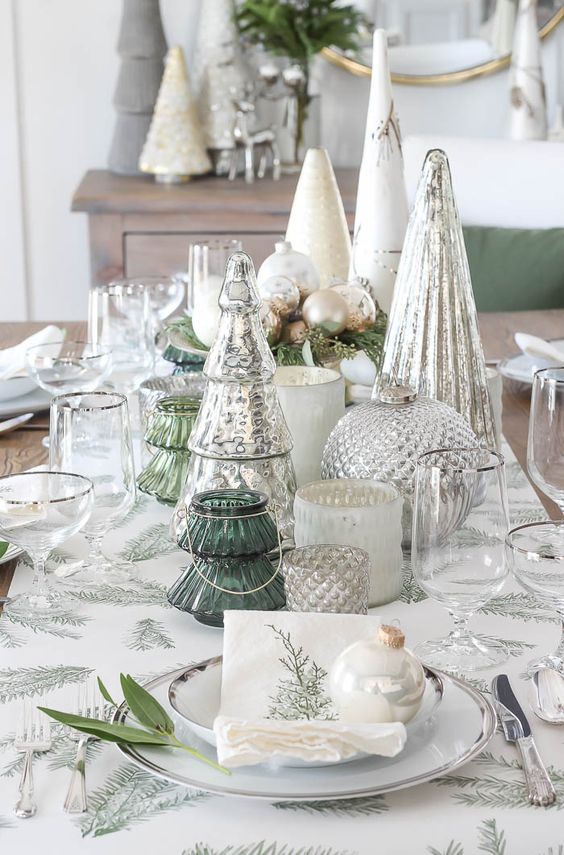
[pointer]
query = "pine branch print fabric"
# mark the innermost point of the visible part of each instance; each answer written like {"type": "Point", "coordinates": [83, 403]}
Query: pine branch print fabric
{"type": "Point", "coordinates": [480, 808]}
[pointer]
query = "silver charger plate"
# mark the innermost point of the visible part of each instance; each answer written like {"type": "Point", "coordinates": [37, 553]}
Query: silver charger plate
{"type": "Point", "coordinates": [195, 696]}
{"type": "Point", "coordinates": [521, 368]}
{"type": "Point", "coordinates": [462, 727]}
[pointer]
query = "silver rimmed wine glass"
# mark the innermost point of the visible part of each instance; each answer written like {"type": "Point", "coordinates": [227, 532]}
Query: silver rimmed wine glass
{"type": "Point", "coordinates": [460, 521]}
{"type": "Point", "coordinates": [38, 512]}
{"type": "Point", "coordinates": [545, 448]}
{"type": "Point", "coordinates": [107, 459]}
{"type": "Point", "coordinates": [69, 366]}
{"type": "Point", "coordinates": [535, 554]}
{"type": "Point", "coordinates": [120, 317]}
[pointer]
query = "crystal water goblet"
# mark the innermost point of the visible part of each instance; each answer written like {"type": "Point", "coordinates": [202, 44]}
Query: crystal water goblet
{"type": "Point", "coordinates": [535, 554]}
{"type": "Point", "coordinates": [107, 459]}
{"type": "Point", "coordinates": [120, 317]}
{"type": "Point", "coordinates": [38, 512]}
{"type": "Point", "coordinates": [458, 548]}
{"type": "Point", "coordinates": [545, 447]}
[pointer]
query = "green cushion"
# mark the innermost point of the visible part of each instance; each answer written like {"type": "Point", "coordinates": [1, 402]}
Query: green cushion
{"type": "Point", "coordinates": [515, 269]}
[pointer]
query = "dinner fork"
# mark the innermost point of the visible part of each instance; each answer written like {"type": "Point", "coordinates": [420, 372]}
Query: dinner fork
{"type": "Point", "coordinates": [89, 704]}
{"type": "Point", "coordinates": [33, 734]}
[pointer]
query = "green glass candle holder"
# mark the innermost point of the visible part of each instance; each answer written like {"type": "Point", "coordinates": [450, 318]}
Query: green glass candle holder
{"type": "Point", "coordinates": [229, 534]}
{"type": "Point", "coordinates": [168, 431]}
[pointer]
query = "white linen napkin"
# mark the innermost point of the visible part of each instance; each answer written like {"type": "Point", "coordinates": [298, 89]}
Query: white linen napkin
{"type": "Point", "coordinates": [274, 693]}
{"type": "Point", "coordinates": [12, 359]}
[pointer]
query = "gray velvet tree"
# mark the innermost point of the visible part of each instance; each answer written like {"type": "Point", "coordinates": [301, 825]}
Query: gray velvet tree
{"type": "Point", "coordinates": [142, 47]}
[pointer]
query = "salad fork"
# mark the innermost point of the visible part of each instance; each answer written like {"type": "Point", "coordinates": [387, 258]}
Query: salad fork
{"type": "Point", "coordinates": [33, 734]}
{"type": "Point", "coordinates": [90, 704]}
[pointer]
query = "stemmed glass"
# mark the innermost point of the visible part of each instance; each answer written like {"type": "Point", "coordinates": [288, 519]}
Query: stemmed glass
{"type": "Point", "coordinates": [545, 449]}
{"type": "Point", "coordinates": [38, 512]}
{"type": "Point", "coordinates": [107, 459]}
{"type": "Point", "coordinates": [69, 366]}
{"type": "Point", "coordinates": [535, 554]}
{"type": "Point", "coordinates": [459, 525]}
{"type": "Point", "coordinates": [165, 295]}
{"type": "Point", "coordinates": [120, 317]}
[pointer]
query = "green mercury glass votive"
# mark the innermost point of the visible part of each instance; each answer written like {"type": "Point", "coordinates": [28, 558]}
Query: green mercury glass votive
{"type": "Point", "coordinates": [168, 431]}
{"type": "Point", "coordinates": [229, 534]}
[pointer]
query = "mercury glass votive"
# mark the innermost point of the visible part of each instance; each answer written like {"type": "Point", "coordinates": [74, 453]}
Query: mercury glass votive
{"type": "Point", "coordinates": [327, 578]}
{"type": "Point", "coordinates": [356, 512]}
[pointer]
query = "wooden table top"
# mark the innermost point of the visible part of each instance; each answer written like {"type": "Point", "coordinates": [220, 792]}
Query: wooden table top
{"type": "Point", "coordinates": [22, 449]}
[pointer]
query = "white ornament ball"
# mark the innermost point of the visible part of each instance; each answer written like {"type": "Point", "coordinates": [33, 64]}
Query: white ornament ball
{"type": "Point", "coordinates": [205, 319]}
{"type": "Point", "coordinates": [327, 311]}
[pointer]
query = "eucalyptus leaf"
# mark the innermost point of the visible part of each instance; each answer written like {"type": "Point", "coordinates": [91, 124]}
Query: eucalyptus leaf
{"type": "Point", "coordinates": [144, 707]}
{"type": "Point", "coordinates": [106, 731]}
{"type": "Point", "coordinates": [3, 547]}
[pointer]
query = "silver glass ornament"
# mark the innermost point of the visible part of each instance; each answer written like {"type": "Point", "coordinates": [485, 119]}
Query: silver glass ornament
{"type": "Point", "coordinates": [383, 438]}
{"type": "Point", "coordinates": [432, 339]}
{"type": "Point", "coordinates": [240, 439]}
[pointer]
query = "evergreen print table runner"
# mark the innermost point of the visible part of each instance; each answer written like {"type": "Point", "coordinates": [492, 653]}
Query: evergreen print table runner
{"type": "Point", "coordinates": [482, 808]}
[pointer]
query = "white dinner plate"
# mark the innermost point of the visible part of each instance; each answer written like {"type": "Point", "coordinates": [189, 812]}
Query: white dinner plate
{"type": "Point", "coordinates": [34, 402]}
{"type": "Point", "coordinates": [521, 367]}
{"type": "Point", "coordinates": [15, 387]}
{"type": "Point", "coordinates": [462, 727]}
{"type": "Point", "coordinates": [195, 696]}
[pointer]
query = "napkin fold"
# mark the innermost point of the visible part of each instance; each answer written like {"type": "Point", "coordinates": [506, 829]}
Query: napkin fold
{"type": "Point", "coordinates": [275, 704]}
{"type": "Point", "coordinates": [12, 359]}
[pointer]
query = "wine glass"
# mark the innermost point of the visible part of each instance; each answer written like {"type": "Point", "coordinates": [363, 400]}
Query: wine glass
{"type": "Point", "coordinates": [535, 554]}
{"type": "Point", "coordinates": [460, 521]}
{"type": "Point", "coordinates": [68, 366]}
{"type": "Point", "coordinates": [206, 269]}
{"type": "Point", "coordinates": [107, 459]}
{"type": "Point", "coordinates": [545, 449]}
{"type": "Point", "coordinates": [120, 317]}
{"type": "Point", "coordinates": [38, 512]}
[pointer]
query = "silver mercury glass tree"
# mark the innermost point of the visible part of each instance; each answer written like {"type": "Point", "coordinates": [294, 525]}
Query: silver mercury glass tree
{"type": "Point", "coordinates": [432, 340]}
{"type": "Point", "coordinates": [240, 439]}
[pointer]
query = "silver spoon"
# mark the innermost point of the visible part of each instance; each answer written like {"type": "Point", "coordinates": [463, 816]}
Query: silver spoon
{"type": "Point", "coordinates": [549, 695]}
{"type": "Point", "coordinates": [14, 424]}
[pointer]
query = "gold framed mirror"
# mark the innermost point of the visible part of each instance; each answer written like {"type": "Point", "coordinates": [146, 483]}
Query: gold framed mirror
{"type": "Point", "coordinates": [551, 14]}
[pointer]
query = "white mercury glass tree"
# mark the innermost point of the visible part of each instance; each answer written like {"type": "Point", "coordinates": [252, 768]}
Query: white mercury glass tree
{"type": "Point", "coordinates": [240, 439]}
{"type": "Point", "coordinates": [527, 95]}
{"type": "Point", "coordinates": [432, 340]}
{"type": "Point", "coordinates": [381, 204]}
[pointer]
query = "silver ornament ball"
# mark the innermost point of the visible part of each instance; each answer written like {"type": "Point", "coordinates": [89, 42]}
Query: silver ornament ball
{"type": "Point", "coordinates": [282, 294]}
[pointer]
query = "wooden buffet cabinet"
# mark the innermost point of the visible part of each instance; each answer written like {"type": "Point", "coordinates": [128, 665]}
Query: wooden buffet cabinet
{"type": "Point", "coordinates": [138, 227]}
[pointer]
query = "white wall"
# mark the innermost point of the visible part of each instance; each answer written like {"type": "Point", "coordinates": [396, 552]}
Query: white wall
{"type": "Point", "coordinates": [58, 68]}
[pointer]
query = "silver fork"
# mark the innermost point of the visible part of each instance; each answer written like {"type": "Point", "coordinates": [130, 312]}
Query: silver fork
{"type": "Point", "coordinates": [33, 734]}
{"type": "Point", "coordinates": [91, 705]}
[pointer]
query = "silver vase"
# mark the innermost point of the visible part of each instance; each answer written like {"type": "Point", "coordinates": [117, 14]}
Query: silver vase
{"type": "Point", "coordinates": [240, 439]}
{"type": "Point", "coordinates": [432, 340]}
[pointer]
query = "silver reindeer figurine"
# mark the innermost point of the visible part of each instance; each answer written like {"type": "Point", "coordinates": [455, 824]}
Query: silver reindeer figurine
{"type": "Point", "coordinates": [263, 141]}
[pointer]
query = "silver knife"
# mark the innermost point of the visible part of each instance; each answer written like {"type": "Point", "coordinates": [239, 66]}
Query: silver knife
{"type": "Point", "coordinates": [517, 729]}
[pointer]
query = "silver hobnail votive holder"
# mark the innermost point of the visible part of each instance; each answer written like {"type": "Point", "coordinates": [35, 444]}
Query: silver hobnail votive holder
{"type": "Point", "coordinates": [327, 578]}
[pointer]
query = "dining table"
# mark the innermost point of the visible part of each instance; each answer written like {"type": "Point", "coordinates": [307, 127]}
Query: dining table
{"type": "Point", "coordinates": [480, 807]}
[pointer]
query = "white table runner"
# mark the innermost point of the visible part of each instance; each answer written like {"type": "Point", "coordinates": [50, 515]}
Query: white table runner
{"type": "Point", "coordinates": [480, 808]}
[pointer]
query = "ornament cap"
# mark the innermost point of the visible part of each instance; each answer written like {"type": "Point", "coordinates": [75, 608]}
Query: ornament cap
{"type": "Point", "coordinates": [391, 636]}
{"type": "Point", "coordinates": [283, 246]}
{"type": "Point", "coordinates": [397, 395]}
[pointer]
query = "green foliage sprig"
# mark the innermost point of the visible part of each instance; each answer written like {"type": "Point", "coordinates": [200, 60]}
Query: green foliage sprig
{"type": "Point", "coordinates": [299, 29]}
{"type": "Point", "coordinates": [3, 547]}
{"type": "Point", "coordinates": [155, 725]}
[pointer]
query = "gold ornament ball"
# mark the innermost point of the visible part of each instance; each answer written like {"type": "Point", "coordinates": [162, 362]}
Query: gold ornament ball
{"type": "Point", "coordinates": [295, 332]}
{"type": "Point", "coordinates": [271, 323]}
{"type": "Point", "coordinates": [282, 294]}
{"type": "Point", "coordinates": [362, 308]}
{"type": "Point", "coordinates": [326, 311]}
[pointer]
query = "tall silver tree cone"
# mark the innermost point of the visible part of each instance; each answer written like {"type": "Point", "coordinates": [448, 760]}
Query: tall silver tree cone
{"type": "Point", "coordinates": [432, 341]}
{"type": "Point", "coordinates": [240, 438]}
{"type": "Point", "coordinates": [381, 203]}
{"type": "Point", "coordinates": [527, 95]}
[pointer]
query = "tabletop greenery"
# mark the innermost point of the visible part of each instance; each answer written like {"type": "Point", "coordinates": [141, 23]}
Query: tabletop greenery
{"type": "Point", "coordinates": [155, 725]}
{"type": "Point", "coordinates": [3, 548]}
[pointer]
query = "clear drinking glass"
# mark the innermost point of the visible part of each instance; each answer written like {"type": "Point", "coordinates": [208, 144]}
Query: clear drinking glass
{"type": "Point", "coordinates": [545, 450]}
{"type": "Point", "coordinates": [206, 268]}
{"type": "Point", "coordinates": [120, 317]}
{"type": "Point", "coordinates": [69, 366]}
{"type": "Point", "coordinates": [535, 554]}
{"type": "Point", "coordinates": [460, 521]}
{"type": "Point", "coordinates": [107, 459]}
{"type": "Point", "coordinates": [38, 512]}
